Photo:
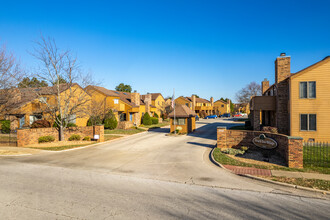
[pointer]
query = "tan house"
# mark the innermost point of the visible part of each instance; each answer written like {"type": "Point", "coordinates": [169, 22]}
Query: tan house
{"type": "Point", "coordinates": [221, 107]}
{"type": "Point", "coordinates": [184, 120]}
{"type": "Point", "coordinates": [129, 108]}
{"type": "Point", "coordinates": [197, 104]}
{"type": "Point", "coordinates": [157, 100]}
{"type": "Point", "coordinates": [298, 103]}
{"type": "Point", "coordinates": [27, 105]}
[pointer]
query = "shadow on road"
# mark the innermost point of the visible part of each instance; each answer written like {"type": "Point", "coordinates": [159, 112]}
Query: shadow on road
{"type": "Point", "coordinates": [209, 131]}
{"type": "Point", "coordinates": [160, 130]}
{"type": "Point", "coordinates": [201, 144]}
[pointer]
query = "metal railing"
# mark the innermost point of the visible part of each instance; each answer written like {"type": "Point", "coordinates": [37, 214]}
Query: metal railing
{"type": "Point", "coordinates": [9, 139]}
{"type": "Point", "coordinates": [316, 154]}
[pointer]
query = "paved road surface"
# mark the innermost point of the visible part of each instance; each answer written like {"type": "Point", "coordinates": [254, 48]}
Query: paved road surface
{"type": "Point", "coordinates": [145, 176]}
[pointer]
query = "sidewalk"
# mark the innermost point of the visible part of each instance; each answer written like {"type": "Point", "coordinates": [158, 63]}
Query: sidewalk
{"type": "Point", "coordinates": [267, 172]}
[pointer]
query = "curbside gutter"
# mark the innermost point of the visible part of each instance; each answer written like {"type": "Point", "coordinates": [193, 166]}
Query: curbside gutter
{"type": "Point", "coordinates": [266, 180]}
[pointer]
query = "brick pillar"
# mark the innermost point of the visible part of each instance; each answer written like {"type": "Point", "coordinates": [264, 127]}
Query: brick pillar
{"type": "Point", "coordinates": [295, 152]}
{"type": "Point", "coordinates": [147, 102]}
{"type": "Point", "coordinates": [193, 98]}
{"type": "Point", "coordinates": [221, 137]}
{"type": "Point", "coordinates": [99, 130]}
{"type": "Point", "coordinates": [255, 119]}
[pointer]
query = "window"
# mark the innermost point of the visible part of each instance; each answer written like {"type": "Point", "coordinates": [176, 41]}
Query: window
{"type": "Point", "coordinates": [34, 118]}
{"type": "Point", "coordinates": [116, 101]}
{"type": "Point", "coordinates": [308, 122]}
{"type": "Point", "coordinates": [222, 106]}
{"type": "Point", "coordinates": [180, 121]}
{"type": "Point", "coordinates": [122, 117]}
{"type": "Point", "coordinates": [307, 90]}
{"type": "Point", "coordinates": [72, 118]}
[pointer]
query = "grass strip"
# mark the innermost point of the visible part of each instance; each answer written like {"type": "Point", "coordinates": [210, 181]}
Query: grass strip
{"type": "Point", "coordinates": [225, 160]}
{"type": "Point", "coordinates": [311, 183]}
{"type": "Point", "coordinates": [124, 131]}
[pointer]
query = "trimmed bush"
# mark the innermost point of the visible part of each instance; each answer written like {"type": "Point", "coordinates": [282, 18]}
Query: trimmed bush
{"type": "Point", "coordinates": [154, 120]}
{"type": "Point", "coordinates": [75, 137]}
{"type": "Point", "coordinates": [110, 121]}
{"type": "Point", "coordinates": [156, 115]}
{"type": "Point", "coordinates": [86, 138]}
{"type": "Point", "coordinates": [5, 126]}
{"type": "Point", "coordinates": [146, 120]}
{"type": "Point", "coordinates": [41, 124]}
{"type": "Point", "coordinates": [71, 125]}
{"type": "Point", "coordinates": [94, 120]}
{"type": "Point", "coordinates": [44, 139]}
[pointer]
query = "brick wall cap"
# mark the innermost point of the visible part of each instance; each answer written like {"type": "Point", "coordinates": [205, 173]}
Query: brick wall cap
{"type": "Point", "coordinates": [222, 127]}
{"type": "Point", "coordinates": [295, 138]}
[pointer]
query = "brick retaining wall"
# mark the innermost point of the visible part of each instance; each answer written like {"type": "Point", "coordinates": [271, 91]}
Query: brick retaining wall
{"type": "Point", "coordinates": [30, 136]}
{"type": "Point", "coordinates": [291, 148]}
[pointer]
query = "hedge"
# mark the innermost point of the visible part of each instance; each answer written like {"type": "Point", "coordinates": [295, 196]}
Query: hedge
{"type": "Point", "coordinates": [146, 120]}
{"type": "Point", "coordinates": [5, 126]}
{"type": "Point", "coordinates": [75, 137]}
{"type": "Point", "coordinates": [44, 139]}
{"type": "Point", "coordinates": [154, 120]}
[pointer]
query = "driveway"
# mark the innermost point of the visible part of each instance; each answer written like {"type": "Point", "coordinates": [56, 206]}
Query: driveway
{"type": "Point", "coordinates": [145, 175]}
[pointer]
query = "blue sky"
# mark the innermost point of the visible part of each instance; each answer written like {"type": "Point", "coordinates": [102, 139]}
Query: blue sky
{"type": "Point", "coordinates": [209, 48]}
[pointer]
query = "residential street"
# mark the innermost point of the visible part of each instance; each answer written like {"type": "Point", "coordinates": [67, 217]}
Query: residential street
{"type": "Point", "coordinates": [145, 176]}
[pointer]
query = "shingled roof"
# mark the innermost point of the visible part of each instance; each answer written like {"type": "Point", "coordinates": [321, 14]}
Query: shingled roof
{"type": "Point", "coordinates": [154, 96]}
{"type": "Point", "coordinates": [198, 100]}
{"type": "Point", "coordinates": [182, 111]}
{"type": "Point", "coordinates": [123, 96]}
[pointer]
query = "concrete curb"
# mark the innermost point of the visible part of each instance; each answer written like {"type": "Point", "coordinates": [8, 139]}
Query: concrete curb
{"type": "Point", "coordinates": [16, 155]}
{"type": "Point", "coordinates": [268, 181]}
{"type": "Point", "coordinates": [100, 143]}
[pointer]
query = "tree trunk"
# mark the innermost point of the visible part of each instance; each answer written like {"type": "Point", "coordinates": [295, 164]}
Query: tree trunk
{"type": "Point", "coordinates": [61, 133]}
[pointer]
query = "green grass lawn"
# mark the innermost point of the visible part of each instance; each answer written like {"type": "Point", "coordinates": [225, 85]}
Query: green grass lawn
{"type": "Point", "coordinates": [159, 125]}
{"type": "Point", "coordinates": [225, 160]}
{"type": "Point", "coordinates": [316, 157]}
{"type": "Point", "coordinates": [312, 183]}
{"type": "Point", "coordinates": [59, 148]}
{"type": "Point", "coordinates": [124, 131]}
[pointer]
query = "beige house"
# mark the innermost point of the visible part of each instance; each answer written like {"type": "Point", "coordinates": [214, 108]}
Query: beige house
{"type": "Point", "coordinates": [298, 104]}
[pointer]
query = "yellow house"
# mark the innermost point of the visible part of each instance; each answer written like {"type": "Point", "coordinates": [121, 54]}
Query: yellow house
{"type": "Point", "coordinates": [129, 108]}
{"type": "Point", "coordinates": [298, 104]}
{"type": "Point", "coordinates": [30, 104]}
{"type": "Point", "coordinates": [198, 105]}
{"type": "Point", "coordinates": [221, 107]}
{"type": "Point", "coordinates": [157, 100]}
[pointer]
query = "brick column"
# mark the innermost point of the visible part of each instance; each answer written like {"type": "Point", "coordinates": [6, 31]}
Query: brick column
{"type": "Point", "coordinates": [256, 120]}
{"type": "Point", "coordinates": [99, 130]}
{"type": "Point", "coordinates": [295, 152]}
{"type": "Point", "coordinates": [221, 137]}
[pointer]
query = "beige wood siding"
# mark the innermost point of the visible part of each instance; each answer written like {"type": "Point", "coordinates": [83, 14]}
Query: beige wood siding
{"type": "Point", "coordinates": [319, 106]}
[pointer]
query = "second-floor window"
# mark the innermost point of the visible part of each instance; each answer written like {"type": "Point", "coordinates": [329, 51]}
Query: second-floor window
{"type": "Point", "coordinates": [307, 90]}
{"type": "Point", "coordinates": [116, 101]}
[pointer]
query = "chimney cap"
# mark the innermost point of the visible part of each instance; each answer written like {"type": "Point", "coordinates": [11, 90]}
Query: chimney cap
{"type": "Point", "coordinates": [265, 79]}
{"type": "Point", "coordinates": [283, 54]}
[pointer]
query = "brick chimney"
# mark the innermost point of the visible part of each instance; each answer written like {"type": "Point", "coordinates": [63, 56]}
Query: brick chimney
{"type": "Point", "coordinates": [135, 98]}
{"type": "Point", "coordinates": [147, 102]}
{"type": "Point", "coordinates": [228, 103]}
{"type": "Point", "coordinates": [264, 85]}
{"type": "Point", "coordinates": [212, 101]}
{"type": "Point", "coordinates": [193, 102]}
{"type": "Point", "coordinates": [282, 68]}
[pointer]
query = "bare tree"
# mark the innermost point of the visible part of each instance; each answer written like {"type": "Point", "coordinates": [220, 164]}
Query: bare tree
{"type": "Point", "coordinates": [10, 74]}
{"type": "Point", "coordinates": [244, 95]}
{"type": "Point", "coordinates": [63, 101]}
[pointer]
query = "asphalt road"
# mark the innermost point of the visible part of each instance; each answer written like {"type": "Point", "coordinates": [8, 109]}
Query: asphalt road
{"type": "Point", "coordinates": [145, 176]}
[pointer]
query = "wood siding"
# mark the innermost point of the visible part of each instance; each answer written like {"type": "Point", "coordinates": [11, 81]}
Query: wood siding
{"type": "Point", "coordinates": [319, 106]}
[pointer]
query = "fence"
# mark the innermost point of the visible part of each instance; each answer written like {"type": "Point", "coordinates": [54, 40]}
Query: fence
{"type": "Point", "coordinates": [9, 139]}
{"type": "Point", "coordinates": [316, 154]}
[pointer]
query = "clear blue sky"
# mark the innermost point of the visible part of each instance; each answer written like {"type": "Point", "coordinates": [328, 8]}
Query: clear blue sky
{"type": "Point", "coordinates": [210, 48]}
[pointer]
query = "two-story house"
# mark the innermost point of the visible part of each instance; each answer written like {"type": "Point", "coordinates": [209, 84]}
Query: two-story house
{"type": "Point", "coordinates": [157, 100]}
{"type": "Point", "coordinates": [129, 108]}
{"type": "Point", "coordinates": [197, 104]}
{"type": "Point", "coordinates": [298, 104]}
{"type": "Point", "coordinates": [27, 105]}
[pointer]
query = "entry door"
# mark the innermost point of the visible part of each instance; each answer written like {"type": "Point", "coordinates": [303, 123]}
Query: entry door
{"type": "Point", "coordinates": [130, 116]}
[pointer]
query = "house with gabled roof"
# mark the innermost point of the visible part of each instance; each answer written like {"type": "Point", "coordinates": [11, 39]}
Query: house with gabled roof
{"type": "Point", "coordinates": [157, 100]}
{"type": "Point", "coordinates": [297, 104]}
{"type": "Point", "coordinates": [27, 105]}
{"type": "Point", "coordinates": [129, 108]}
{"type": "Point", "coordinates": [198, 105]}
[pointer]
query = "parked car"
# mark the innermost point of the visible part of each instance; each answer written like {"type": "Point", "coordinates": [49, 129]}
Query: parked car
{"type": "Point", "coordinates": [197, 118]}
{"type": "Point", "coordinates": [211, 116]}
{"type": "Point", "coordinates": [238, 115]}
{"type": "Point", "coordinates": [226, 115]}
